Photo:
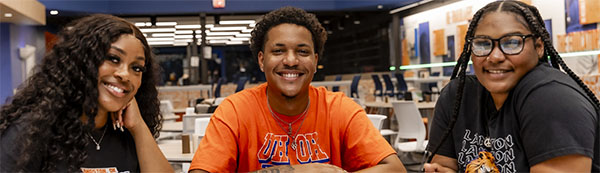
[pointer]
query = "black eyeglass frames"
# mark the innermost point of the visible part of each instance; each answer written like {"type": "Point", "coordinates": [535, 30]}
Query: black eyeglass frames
{"type": "Point", "coordinates": [509, 44]}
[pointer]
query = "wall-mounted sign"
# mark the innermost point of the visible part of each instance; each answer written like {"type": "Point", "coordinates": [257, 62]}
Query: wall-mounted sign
{"type": "Point", "coordinates": [461, 33]}
{"type": "Point", "coordinates": [439, 42]}
{"type": "Point", "coordinates": [588, 11]}
{"type": "Point", "coordinates": [578, 41]}
{"type": "Point", "coordinates": [455, 16]}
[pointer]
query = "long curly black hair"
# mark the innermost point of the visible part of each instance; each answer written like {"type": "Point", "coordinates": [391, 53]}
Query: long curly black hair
{"type": "Point", "coordinates": [65, 87]}
{"type": "Point", "coordinates": [291, 15]}
{"type": "Point", "coordinates": [535, 23]}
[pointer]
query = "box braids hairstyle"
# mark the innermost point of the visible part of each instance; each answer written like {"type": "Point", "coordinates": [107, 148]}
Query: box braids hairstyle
{"type": "Point", "coordinates": [535, 24]}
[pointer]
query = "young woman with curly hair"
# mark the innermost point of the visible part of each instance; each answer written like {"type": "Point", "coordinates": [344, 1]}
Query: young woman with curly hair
{"type": "Point", "coordinates": [519, 113]}
{"type": "Point", "coordinates": [91, 105]}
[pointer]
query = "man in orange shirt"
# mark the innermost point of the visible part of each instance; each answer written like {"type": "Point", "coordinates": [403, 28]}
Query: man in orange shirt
{"type": "Point", "coordinates": [286, 124]}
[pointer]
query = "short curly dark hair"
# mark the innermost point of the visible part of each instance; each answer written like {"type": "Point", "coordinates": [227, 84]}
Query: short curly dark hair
{"type": "Point", "coordinates": [291, 15]}
{"type": "Point", "coordinates": [65, 87]}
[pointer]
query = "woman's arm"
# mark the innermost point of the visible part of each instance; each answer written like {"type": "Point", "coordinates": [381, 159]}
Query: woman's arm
{"type": "Point", "coordinates": [568, 163]}
{"type": "Point", "coordinates": [149, 155]}
{"type": "Point", "coordinates": [441, 163]}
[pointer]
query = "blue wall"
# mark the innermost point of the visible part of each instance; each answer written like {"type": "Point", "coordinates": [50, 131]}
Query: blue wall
{"type": "Point", "coordinates": [5, 69]}
{"type": "Point", "coordinates": [13, 37]}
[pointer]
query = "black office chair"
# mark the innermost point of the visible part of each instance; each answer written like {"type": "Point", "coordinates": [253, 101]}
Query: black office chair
{"type": "Point", "coordinates": [241, 84]}
{"type": "Point", "coordinates": [220, 82]}
{"type": "Point", "coordinates": [336, 88]}
{"type": "Point", "coordinates": [354, 86]}
{"type": "Point", "coordinates": [402, 88]}
{"type": "Point", "coordinates": [389, 86]}
{"type": "Point", "coordinates": [378, 87]}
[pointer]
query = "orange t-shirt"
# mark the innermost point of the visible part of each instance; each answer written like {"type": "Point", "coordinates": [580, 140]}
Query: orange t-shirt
{"type": "Point", "coordinates": [243, 136]}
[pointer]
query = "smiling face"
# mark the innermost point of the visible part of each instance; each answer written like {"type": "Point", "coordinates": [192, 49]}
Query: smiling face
{"type": "Point", "coordinates": [120, 75]}
{"type": "Point", "coordinates": [499, 73]}
{"type": "Point", "coordinates": [288, 60]}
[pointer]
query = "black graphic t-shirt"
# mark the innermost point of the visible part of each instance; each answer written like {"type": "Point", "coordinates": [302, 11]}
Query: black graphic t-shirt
{"type": "Point", "coordinates": [546, 115]}
{"type": "Point", "coordinates": [117, 152]}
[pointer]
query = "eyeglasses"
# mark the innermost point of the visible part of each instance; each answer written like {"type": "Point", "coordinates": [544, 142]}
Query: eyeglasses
{"type": "Point", "coordinates": [509, 44]}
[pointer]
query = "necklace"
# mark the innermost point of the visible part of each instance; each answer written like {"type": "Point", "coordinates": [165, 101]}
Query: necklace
{"type": "Point", "coordinates": [99, 141]}
{"type": "Point", "coordinates": [280, 122]}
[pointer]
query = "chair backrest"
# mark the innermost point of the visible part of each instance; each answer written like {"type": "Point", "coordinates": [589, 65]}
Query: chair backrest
{"type": "Point", "coordinates": [410, 122]}
{"type": "Point", "coordinates": [200, 125]}
{"type": "Point", "coordinates": [202, 108]}
{"type": "Point", "coordinates": [389, 85]}
{"type": "Point", "coordinates": [166, 107]}
{"type": "Point", "coordinates": [336, 88]}
{"type": "Point", "coordinates": [377, 120]}
{"type": "Point", "coordinates": [218, 101]}
{"type": "Point", "coordinates": [401, 82]}
{"type": "Point", "coordinates": [378, 86]}
{"type": "Point", "coordinates": [220, 82]}
{"type": "Point", "coordinates": [354, 86]}
{"type": "Point", "coordinates": [189, 122]}
{"type": "Point", "coordinates": [241, 84]}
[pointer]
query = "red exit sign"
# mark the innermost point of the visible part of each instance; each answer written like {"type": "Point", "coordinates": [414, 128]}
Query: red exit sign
{"type": "Point", "coordinates": [218, 3]}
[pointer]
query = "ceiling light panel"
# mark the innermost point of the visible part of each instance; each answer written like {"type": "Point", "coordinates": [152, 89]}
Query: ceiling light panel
{"type": "Point", "coordinates": [234, 42]}
{"type": "Point", "coordinates": [185, 31]}
{"type": "Point", "coordinates": [243, 35]}
{"type": "Point", "coordinates": [240, 39]}
{"type": "Point", "coordinates": [158, 30]}
{"type": "Point", "coordinates": [221, 33]}
{"type": "Point", "coordinates": [183, 40]}
{"type": "Point", "coordinates": [163, 35]}
{"type": "Point", "coordinates": [236, 22]}
{"type": "Point", "coordinates": [232, 28]}
{"type": "Point", "coordinates": [166, 23]}
{"type": "Point", "coordinates": [184, 36]}
{"type": "Point", "coordinates": [218, 38]}
{"type": "Point", "coordinates": [180, 44]}
{"type": "Point", "coordinates": [187, 26]}
{"type": "Point", "coordinates": [160, 43]}
{"type": "Point", "coordinates": [160, 39]}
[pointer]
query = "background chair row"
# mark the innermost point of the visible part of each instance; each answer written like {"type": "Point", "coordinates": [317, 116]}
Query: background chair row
{"type": "Point", "coordinates": [241, 83]}
{"type": "Point", "coordinates": [390, 90]}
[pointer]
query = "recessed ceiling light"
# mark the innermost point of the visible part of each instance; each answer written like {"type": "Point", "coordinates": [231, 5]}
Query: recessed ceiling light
{"type": "Point", "coordinates": [54, 12]}
{"type": "Point", "coordinates": [379, 6]}
{"type": "Point", "coordinates": [356, 22]}
{"type": "Point", "coordinates": [7, 14]}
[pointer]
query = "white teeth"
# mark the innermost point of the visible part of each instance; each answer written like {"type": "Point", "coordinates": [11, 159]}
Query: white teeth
{"type": "Point", "coordinates": [496, 71]}
{"type": "Point", "coordinates": [114, 88]}
{"type": "Point", "coordinates": [290, 75]}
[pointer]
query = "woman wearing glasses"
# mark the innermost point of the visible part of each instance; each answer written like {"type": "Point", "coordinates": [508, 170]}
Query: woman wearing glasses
{"type": "Point", "coordinates": [518, 113]}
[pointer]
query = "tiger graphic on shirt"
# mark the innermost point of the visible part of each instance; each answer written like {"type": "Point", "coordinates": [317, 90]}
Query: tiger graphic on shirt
{"type": "Point", "coordinates": [475, 156]}
{"type": "Point", "coordinates": [274, 150]}
{"type": "Point", "coordinates": [484, 164]}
